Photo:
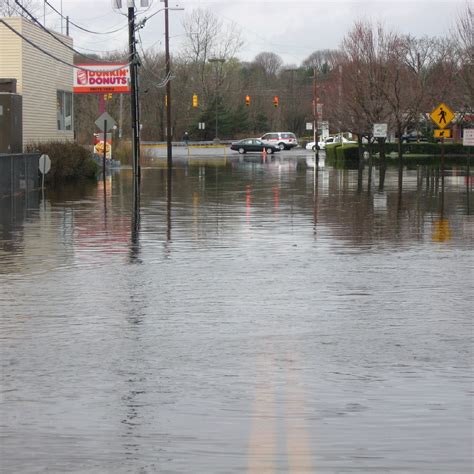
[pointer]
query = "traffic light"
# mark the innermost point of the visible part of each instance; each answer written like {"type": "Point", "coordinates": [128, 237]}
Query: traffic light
{"type": "Point", "coordinates": [107, 96]}
{"type": "Point", "coordinates": [276, 101]}
{"type": "Point", "coordinates": [247, 100]}
{"type": "Point", "coordinates": [166, 101]}
{"type": "Point", "coordinates": [195, 100]}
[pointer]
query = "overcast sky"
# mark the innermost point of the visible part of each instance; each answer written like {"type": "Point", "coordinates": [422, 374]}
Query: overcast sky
{"type": "Point", "coordinates": [291, 29]}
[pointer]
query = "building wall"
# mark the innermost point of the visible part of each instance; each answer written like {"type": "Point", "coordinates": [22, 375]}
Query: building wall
{"type": "Point", "coordinates": [11, 52]}
{"type": "Point", "coordinates": [39, 77]}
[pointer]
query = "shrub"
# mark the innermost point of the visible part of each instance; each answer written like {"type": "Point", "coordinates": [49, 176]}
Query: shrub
{"type": "Point", "coordinates": [122, 152]}
{"type": "Point", "coordinates": [426, 148]}
{"type": "Point", "coordinates": [331, 151]}
{"type": "Point", "coordinates": [69, 161]}
{"type": "Point", "coordinates": [349, 154]}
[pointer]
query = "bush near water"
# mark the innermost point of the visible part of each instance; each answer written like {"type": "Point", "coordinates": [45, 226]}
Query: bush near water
{"type": "Point", "coordinates": [422, 153]}
{"type": "Point", "coordinates": [69, 161]}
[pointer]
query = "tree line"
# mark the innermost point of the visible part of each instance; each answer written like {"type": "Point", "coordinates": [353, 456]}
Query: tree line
{"type": "Point", "coordinates": [376, 76]}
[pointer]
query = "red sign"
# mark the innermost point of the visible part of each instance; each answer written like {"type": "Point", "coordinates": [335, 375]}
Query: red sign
{"type": "Point", "coordinates": [101, 78]}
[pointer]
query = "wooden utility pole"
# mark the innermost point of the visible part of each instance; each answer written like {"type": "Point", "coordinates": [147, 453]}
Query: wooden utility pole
{"type": "Point", "coordinates": [134, 90]}
{"type": "Point", "coordinates": [168, 90]}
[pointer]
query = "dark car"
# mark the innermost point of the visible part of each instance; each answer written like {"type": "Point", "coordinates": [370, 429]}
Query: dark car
{"type": "Point", "coordinates": [253, 145]}
{"type": "Point", "coordinates": [414, 137]}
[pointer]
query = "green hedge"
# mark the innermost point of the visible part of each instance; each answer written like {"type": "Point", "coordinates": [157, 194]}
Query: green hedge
{"type": "Point", "coordinates": [69, 161]}
{"type": "Point", "coordinates": [349, 154]}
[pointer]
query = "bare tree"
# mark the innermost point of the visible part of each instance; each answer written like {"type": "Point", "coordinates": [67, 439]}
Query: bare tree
{"type": "Point", "coordinates": [10, 8]}
{"type": "Point", "coordinates": [463, 39]}
{"type": "Point", "coordinates": [269, 62]}
{"type": "Point", "coordinates": [207, 37]}
{"type": "Point", "coordinates": [324, 61]}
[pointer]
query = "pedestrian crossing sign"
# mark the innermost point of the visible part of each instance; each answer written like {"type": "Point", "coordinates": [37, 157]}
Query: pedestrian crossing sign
{"type": "Point", "coordinates": [442, 115]}
{"type": "Point", "coordinates": [442, 133]}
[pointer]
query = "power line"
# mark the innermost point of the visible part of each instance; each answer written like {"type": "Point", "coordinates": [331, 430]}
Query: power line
{"type": "Point", "coordinates": [54, 57]}
{"type": "Point", "coordinates": [82, 28]}
{"type": "Point", "coordinates": [58, 39]}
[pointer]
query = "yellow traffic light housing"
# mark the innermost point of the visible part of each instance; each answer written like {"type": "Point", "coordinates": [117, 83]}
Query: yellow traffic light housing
{"type": "Point", "coordinates": [195, 101]}
{"type": "Point", "coordinates": [247, 100]}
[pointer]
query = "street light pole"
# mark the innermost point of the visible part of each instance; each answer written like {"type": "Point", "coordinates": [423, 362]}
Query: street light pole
{"type": "Point", "coordinates": [216, 61]}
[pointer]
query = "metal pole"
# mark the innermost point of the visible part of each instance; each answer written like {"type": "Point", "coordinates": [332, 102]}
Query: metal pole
{"type": "Point", "coordinates": [133, 92]}
{"type": "Point", "coordinates": [168, 90]}
{"type": "Point", "coordinates": [104, 156]}
{"type": "Point", "coordinates": [315, 119]}
{"type": "Point", "coordinates": [217, 83]}
{"type": "Point", "coordinates": [442, 160]}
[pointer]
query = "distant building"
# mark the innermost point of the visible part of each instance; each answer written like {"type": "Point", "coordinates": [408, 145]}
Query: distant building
{"type": "Point", "coordinates": [44, 84]}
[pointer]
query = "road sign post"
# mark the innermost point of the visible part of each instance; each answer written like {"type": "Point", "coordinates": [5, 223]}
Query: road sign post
{"type": "Point", "coordinates": [105, 148]}
{"type": "Point", "coordinates": [442, 116]}
{"type": "Point", "coordinates": [468, 140]}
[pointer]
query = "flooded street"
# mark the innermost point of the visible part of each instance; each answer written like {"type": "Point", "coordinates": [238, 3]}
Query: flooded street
{"type": "Point", "coordinates": [255, 318]}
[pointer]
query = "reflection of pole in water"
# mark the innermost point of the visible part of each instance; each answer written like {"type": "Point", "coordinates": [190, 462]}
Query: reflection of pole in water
{"type": "Point", "coordinates": [169, 195]}
{"type": "Point", "coordinates": [135, 224]}
{"type": "Point", "coordinates": [468, 179]}
{"type": "Point", "coordinates": [442, 232]}
{"type": "Point", "coordinates": [315, 198]}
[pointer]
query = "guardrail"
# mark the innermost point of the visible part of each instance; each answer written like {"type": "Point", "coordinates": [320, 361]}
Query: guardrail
{"type": "Point", "coordinates": [197, 144]}
{"type": "Point", "coordinates": [18, 173]}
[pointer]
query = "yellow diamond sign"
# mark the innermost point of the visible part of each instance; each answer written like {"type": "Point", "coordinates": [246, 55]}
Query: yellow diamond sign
{"type": "Point", "coordinates": [442, 115]}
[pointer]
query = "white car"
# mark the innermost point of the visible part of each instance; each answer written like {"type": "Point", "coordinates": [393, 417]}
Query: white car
{"type": "Point", "coordinates": [328, 141]}
{"type": "Point", "coordinates": [283, 140]}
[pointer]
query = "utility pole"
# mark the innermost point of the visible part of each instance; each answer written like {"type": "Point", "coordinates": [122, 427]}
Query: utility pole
{"type": "Point", "coordinates": [168, 90]}
{"type": "Point", "coordinates": [134, 90]}
{"type": "Point", "coordinates": [315, 118]}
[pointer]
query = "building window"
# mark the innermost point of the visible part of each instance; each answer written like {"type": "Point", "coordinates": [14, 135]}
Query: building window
{"type": "Point", "coordinates": [64, 101]}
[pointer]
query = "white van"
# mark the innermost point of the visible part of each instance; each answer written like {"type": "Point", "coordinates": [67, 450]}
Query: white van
{"type": "Point", "coordinates": [283, 140]}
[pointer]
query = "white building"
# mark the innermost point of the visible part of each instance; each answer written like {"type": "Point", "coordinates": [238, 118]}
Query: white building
{"type": "Point", "coordinates": [45, 84]}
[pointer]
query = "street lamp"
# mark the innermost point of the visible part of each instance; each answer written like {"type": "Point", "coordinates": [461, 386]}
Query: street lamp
{"type": "Point", "coordinates": [216, 61]}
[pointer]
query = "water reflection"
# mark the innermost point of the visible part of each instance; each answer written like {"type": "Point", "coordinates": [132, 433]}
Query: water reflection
{"type": "Point", "coordinates": [254, 315]}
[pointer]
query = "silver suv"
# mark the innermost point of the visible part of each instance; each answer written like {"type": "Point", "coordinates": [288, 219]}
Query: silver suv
{"type": "Point", "coordinates": [283, 140]}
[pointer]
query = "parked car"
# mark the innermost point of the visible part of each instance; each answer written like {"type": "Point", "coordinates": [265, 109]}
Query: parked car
{"type": "Point", "coordinates": [284, 140]}
{"type": "Point", "coordinates": [414, 137]}
{"type": "Point", "coordinates": [328, 141]}
{"type": "Point", "coordinates": [249, 145]}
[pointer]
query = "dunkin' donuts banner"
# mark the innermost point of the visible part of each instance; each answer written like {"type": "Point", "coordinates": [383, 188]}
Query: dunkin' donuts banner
{"type": "Point", "coordinates": [101, 78]}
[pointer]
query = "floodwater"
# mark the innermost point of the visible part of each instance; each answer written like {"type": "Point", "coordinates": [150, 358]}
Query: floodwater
{"type": "Point", "coordinates": [254, 317]}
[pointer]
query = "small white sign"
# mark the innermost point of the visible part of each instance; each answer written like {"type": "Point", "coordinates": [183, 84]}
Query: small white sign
{"type": "Point", "coordinates": [380, 130]}
{"type": "Point", "coordinates": [44, 164]}
{"type": "Point", "coordinates": [325, 125]}
{"type": "Point", "coordinates": [201, 125]}
{"type": "Point", "coordinates": [309, 125]}
{"type": "Point", "coordinates": [468, 137]}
